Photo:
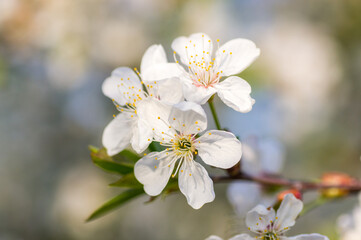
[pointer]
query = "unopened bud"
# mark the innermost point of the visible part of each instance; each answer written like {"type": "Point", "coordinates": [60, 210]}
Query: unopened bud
{"type": "Point", "coordinates": [336, 179]}
{"type": "Point", "coordinates": [295, 193]}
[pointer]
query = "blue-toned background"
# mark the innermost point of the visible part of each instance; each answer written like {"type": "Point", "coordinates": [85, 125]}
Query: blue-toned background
{"type": "Point", "coordinates": [54, 55]}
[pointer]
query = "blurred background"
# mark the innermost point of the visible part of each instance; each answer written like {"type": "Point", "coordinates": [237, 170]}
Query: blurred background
{"type": "Point", "coordinates": [55, 54]}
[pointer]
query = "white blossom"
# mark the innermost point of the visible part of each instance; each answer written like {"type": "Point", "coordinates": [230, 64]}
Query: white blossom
{"type": "Point", "coordinates": [178, 134]}
{"type": "Point", "coordinates": [203, 74]}
{"type": "Point", "coordinates": [260, 156]}
{"type": "Point", "coordinates": [266, 224]}
{"type": "Point", "coordinates": [127, 93]}
{"type": "Point", "coordinates": [350, 224]}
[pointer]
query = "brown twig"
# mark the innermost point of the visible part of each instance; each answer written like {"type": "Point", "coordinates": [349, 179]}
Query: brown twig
{"type": "Point", "coordinates": [300, 185]}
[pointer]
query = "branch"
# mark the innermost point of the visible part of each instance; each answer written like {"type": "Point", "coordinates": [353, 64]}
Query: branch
{"type": "Point", "coordinates": [300, 185]}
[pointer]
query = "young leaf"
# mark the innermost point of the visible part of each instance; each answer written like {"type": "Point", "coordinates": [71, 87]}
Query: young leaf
{"type": "Point", "coordinates": [115, 203]}
{"type": "Point", "coordinates": [105, 162]}
{"type": "Point", "coordinates": [127, 156]}
{"type": "Point", "coordinates": [110, 166]}
{"type": "Point", "coordinates": [127, 181]}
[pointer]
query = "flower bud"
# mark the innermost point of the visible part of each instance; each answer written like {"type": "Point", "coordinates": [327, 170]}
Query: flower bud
{"type": "Point", "coordinates": [295, 193]}
{"type": "Point", "coordinates": [335, 179]}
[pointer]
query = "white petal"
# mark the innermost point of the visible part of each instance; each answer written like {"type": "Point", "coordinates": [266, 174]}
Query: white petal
{"type": "Point", "coordinates": [272, 155]}
{"type": "Point", "coordinates": [154, 55]}
{"type": "Point", "coordinates": [112, 87]}
{"type": "Point", "coordinates": [244, 196]}
{"type": "Point", "coordinates": [161, 71]}
{"type": "Point", "coordinates": [244, 52]}
{"type": "Point", "coordinates": [219, 149]}
{"type": "Point", "coordinates": [288, 212]}
{"type": "Point", "coordinates": [153, 171]}
{"type": "Point", "coordinates": [195, 184]}
{"type": "Point", "coordinates": [188, 47]}
{"type": "Point", "coordinates": [170, 91]}
{"type": "Point", "coordinates": [188, 118]}
{"type": "Point", "coordinates": [142, 136]}
{"type": "Point", "coordinates": [155, 114]}
{"type": "Point", "coordinates": [117, 134]}
{"type": "Point", "coordinates": [213, 237]}
{"type": "Point", "coordinates": [235, 93]}
{"type": "Point", "coordinates": [196, 94]}
{"type": "Point", "coordinates": [313, 236]}
{"type": "Point", "coordinates": [259, 218]}
{"type": "Point", "coordinates": [250, 157]}
{"type": "Point", "coordinates": [242, 237]}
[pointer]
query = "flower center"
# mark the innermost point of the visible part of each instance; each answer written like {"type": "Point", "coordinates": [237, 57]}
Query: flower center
{"type": "Point", "coordinates": [183, 145]}
{"type": "Point", "coordinates": [270, 236]}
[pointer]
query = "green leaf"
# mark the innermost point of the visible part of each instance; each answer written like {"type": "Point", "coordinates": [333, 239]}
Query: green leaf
{"type": "Point", "coordinates": [93, 148]}
{"type": "Point", "coordinates": [114, 167]}
{"type": "Point", "coordinates": [127, 181]}
{"type": "Point", "coordinates": [127, 156]}
{"type": "Point", "coordinates": [102, 160]}
{"type": "Point", "coordinates": [115, 203]}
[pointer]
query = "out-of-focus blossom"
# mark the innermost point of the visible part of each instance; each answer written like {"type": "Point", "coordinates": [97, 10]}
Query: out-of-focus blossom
{"type": "Point", "coordinates": [260, 156]}
{"type": "Point", "coordinates": [305, 67]}
{"type": "Point", "coordinates": [266, 224]}
{"type": "Point", "coordinates": [216, 148]}
{"type": "Point", "coordinates": [79, 191]}
{"type": "Point", "coordinates": [349, 225]}
{"type": "Point", "coordinates": [7, 8]}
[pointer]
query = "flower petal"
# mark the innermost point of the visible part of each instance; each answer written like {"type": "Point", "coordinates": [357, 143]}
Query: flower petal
{"type": "Point", "coordinates": [162, 71]}
{"type": "Point", "coordinates": [313, 236]}
{"type": "Point", "coordinates": [288, 212]}
{"type": "Point", "coordinates": [195, 184]}
{"type": "Point", "coordinates": [173, 96]}
{"type": "Point", "coordinates": [244, 196]}
{"type": "Point", "coordinates": [154, 55]}
{"type": "Point", "coordinates": [197, 94]}
{"type": "Point", "coordinates": [188, 118]}
{"type": "Point", "coordinates": [117, 134]}
{"type": "Point", "coordinates": [155, 114]}
{"type": "Point", "coordinates": [259, 218]}
{"type": "Point", "coordinates": [195, 46]}
{"type": "Point", "coordinates": [213, 237]}
{"type": "Point", "coordinates": [272, 155]}
{"type": "Point", "coordinates": [219, 149]}
{"type": "Point", "coordinates": [153, 171]}
{"type": "Point", "coordinates": [121, 79]}
{"type": "Point", "coordinates": [142, 136]}
{"type": "Point", "coordinates": [235, 93]}
{"type": "Point", "coordinates": [242, 237]}
{"type": "Point", "coordinates": [236, 55]}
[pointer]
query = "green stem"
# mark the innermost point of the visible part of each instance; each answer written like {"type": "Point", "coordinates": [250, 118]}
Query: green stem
{"type": "Point", "coordinates": [214, 113]}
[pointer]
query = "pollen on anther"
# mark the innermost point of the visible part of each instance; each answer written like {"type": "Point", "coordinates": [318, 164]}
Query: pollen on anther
{"type": "Point", "coordinates": [181, 170]}
{"type": "Point", "coordinates": [155, 166]}
{"type": "Point", "coordinates": [148, 139]}
{"type": "Point", "coordinates": [113, 115]}
{"type": "Point", "coordinates": [190, 174]}
{"type": "Point", "coordinates": [156, 158]}
{"type": "Point", "coordinates": [158, 117]}
{"type": "Point", "coordinates": [230, 53]}
{"type": "Point", "coordinates": [145, 154]}
{"type": "Point", "coordinates": [210, 133]}
{"type": "Point", "coordinates": [196, 122]}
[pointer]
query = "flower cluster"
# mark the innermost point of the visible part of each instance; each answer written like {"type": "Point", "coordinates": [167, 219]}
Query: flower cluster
{"type": "Point", "coordinates": [152, 108]}
{"type": "Point", "coordinates": [266, 224]}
